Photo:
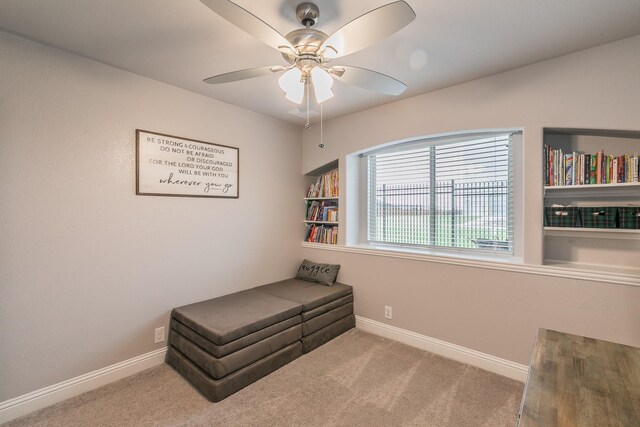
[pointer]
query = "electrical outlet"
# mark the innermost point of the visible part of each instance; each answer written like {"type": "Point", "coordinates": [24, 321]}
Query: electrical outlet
{"type": "Point", "coordinates": [388, 314]}
{"type": "Point", "coordinates": [159, 335]}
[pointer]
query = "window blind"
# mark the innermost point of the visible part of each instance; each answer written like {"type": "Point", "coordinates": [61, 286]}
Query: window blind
{"type": "Point", "coordinates": [444, 194]}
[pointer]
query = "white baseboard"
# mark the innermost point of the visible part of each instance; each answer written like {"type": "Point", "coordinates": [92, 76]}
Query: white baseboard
{"type": "Point", "coordinates": [47, 396]}
{"type": "Point", "coordinates": [490, 363]}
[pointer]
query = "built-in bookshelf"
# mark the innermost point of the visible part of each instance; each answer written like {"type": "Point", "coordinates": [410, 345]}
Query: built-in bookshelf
{"type": "Point", "coordinates": [322, 205]}
{"type": "Point", "coordinates": [586, 170]}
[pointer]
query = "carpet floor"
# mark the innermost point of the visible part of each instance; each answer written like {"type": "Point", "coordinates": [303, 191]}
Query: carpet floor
{"type": "Point", "coordinates": [358, 379]}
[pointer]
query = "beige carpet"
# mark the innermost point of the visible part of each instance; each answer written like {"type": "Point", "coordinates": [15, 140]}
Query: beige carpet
{"type": "Point", "coordinates": [358, 379]}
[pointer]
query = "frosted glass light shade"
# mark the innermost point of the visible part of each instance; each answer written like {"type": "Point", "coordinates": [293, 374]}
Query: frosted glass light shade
{"type": "Point", "coordinates": [292, 86]}
{"type": "Point", "coordinates": [322, 83]}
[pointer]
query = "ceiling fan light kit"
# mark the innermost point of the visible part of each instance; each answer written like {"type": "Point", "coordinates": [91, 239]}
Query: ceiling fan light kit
{"type": "Point", "coordinates": [309, 51]}
{"type": "Point", "coordinates": [321, 82]}
{"type": "Point", "coordinates": [290, 83]}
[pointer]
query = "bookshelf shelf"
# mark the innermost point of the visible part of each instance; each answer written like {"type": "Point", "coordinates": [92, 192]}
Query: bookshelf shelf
{"type": "Point", "coordinates": [587, 187]}
{"type": "Point", "coordinates": [321, 222]}
{"type": "Point", "coordinates": [621, 272]}
{"type": "Point", "coordinates": [593, 233]}
{"type": "Point", "coordinates": [614, 190]}
{"type": "Point", "coordinates": [321, 205]}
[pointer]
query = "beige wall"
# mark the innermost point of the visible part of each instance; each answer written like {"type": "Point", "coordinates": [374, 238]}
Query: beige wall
{"type": "Point", "coordinates": [492, 311]}
{"type": "Point", "coordinates": [496, 312]}
{"type": "Point", "coordinates": [87, 268]}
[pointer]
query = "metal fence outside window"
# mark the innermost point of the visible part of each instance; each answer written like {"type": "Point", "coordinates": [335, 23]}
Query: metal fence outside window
{"type": "Point", "coordinates": [457, 215]}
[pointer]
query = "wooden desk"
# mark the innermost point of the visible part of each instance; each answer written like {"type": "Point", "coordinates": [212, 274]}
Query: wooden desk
{"type": "Point", "coordinates": [581, 382]}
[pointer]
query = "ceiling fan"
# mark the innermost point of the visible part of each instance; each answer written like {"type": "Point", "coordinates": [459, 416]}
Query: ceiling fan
{"type": "Point", "coordinates": [309, 51]}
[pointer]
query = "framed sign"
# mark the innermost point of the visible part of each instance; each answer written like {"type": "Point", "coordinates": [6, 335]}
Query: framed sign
{"type": "Point", "coordinates": [171, 166]}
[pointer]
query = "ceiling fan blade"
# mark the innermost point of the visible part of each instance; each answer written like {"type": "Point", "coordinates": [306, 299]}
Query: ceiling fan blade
{"type": "Point", "coordinates": [368, 29]}
{"type": "Point", "coordinates": [368, 79]}
{"type": "Point", "coordinates": [249, 73]}
{"type": "Point", "coordinates": [248, 22]}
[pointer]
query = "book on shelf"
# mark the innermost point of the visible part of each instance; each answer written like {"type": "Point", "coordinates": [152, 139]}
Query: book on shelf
{"type": "Point", "coordinates": [325, 186]}
{"type": "Point", "coordinates": [573, 168]}
{"type": "Point", "coordinates": [330, 214]}
{"type": "Point", "coordinates": [325, 210]}
{"type": "Point", "coordinates": [568, 169]}
{"type": "Point", "coordinates": [322, 234]}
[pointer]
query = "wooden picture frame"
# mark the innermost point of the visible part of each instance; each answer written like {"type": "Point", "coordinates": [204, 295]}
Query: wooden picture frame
{"type": "Point", "coordinates": [168, 165]}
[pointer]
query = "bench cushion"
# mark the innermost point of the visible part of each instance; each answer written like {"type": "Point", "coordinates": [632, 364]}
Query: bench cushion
{"type": "Point", "coordinates": [319, 322]}
{"type": "Point", "coordinates": [235, 345]}
{"type": "Point", "coordinates": [229, 317]}
{"type": "Point", "coordinates": [308, 315]}
{"type": "Point", "coordinates": [311, 295]}
{"type": "Point", "coordinates": [216, 390]}
{"type": "Point", "coordinates": [326, 334]}
{"type": "Point", "coordinates": [220, 367]}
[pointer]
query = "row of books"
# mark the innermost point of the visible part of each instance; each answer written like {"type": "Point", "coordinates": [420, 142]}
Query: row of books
{"type": "Point", "coordinates": [322, 211]}
{"type": "Point", "coordinates": [573, 168]}
{"type": "Point", "coordinates": [325, 186]}
{"type": "Point", "coordinates": [322, 234]}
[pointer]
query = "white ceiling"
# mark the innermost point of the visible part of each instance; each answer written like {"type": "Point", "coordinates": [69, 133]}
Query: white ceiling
{"type": "Point", "coordinates": [182, 42]}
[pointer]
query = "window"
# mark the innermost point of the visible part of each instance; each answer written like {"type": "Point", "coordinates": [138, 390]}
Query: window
{"type": "Point", "coordinates": [455, 193]}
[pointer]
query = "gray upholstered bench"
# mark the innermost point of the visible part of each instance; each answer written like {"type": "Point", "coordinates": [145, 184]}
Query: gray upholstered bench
{"type": "Point", "coordinates": [224, 344]}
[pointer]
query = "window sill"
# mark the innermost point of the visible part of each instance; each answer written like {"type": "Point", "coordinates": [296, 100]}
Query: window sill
{"type": "Point", "coordinates": [452, 254]}
{"type": "Point", "coordinates": [447, 257]}
{"type": "Point", "coordinates": [512, 264]}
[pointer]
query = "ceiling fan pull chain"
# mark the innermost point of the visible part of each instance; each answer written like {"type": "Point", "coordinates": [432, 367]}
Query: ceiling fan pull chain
{"type": "Point", "coordinates": [321, 140]}
{"type": "Point", "coordinates": [308, 125]}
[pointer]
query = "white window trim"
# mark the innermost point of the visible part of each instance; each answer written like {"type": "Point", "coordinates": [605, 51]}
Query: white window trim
{"type": "Point", "coordinates": [356, 200]}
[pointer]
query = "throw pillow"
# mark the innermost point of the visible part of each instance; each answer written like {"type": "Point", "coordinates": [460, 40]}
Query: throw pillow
{"type": "Point", "coordinates": [325, 274]}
